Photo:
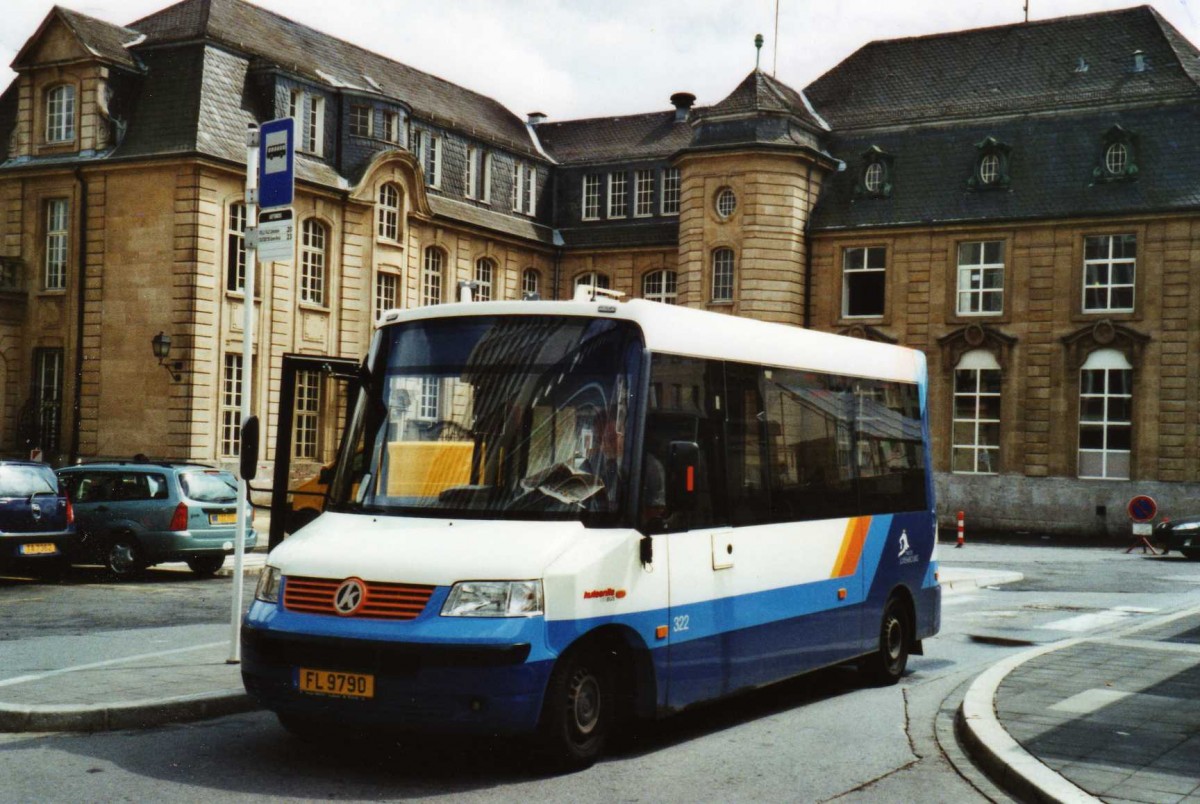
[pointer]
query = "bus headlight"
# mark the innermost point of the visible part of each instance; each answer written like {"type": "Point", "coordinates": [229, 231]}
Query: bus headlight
{"type": "Point", "coordinates": [494, 599]}
{"type": "Point", "coordinates": [268, 585]}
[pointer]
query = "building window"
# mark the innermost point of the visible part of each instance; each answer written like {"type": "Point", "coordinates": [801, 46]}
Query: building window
{"type": "Point", "coordinates": [429, 405]}
{"type": "Point", "coordinates": [388, 212]}
{"type": "Point", "coordinates": [312, 262]}
{"type": "Point", "coordinates": [387, 292]}
{"type": "Point", "coordinates": [472, 188]}
{"type": "Point", "coordinates": [991, 165]}
{"type": "Point", "coordinates": [431, 277]}
{"type": "Point", "coordinates": [643, 193]}
{"type": "Point", "coordinates": [1109, 266]}
{"type": "Point", "coordinates": [722, 275]}
{"type": "Point", "coordinates": [1118, 156]}
{"type": "Point", "coordinates": [618, 195]}
{"type": "Point", "coordinates": [976, 430]}
{"type": "Point", "coordinates": [235, 249]}
{"type": "Point", "coordinates": [660, 286]}
{"type": "Point", "coordinates": [989, 169]}
{"type": "Point", "coordinates": [726, 202]}
{"type": "Point", "coordinates": [360, 121]}
{"type": "Point", "coordinates": [531, 282]}
{"type": "Point", "coordinates": [864, 277]}
{"type": "Point", "coordinates": [1105, 405]}
{"type": "Point", "coordinates": [593, 279]}
{"type": "Point", "coordinates": [485, 271]}
{"type": "Point", "coordinates": [60, 114]}
{"type": "Point", "coordinates": [429, 154]}
{"type": "Point", "coordinates": [231, 406]}
{"type": "Point", "coordinates": [530, 190]}
{"type": "Point", "coordinates": [591, 197]}
{"type": "Point", "coordinates": [670, 191]}
{"type": "Point", "coordinates": [47, 397]}
{"type": "Point", "coordinates": [981, 277]}
{"type": "Point", "coordinates": [304, 419]}
{"type": "Point", "coordinates": [391, 126]}
{"type": "Point", "coordinates": [295, 104]}
{"type": "Point", "coordinates": [313, 139]}
{"type": "Point", "coordinates": [57, 232]}
{"type": "Point", "coordinates": [524, 188]}
{"type": "Point", "coordinates": [873, 177]}
{"type": "Point", "coordinates": [874, 174]}
{"type": "Point", "coordinates": [485, 179]}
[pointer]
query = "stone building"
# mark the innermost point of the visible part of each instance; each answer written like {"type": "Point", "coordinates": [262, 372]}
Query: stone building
{"type": "Point", "coordinates": [1019, 202]}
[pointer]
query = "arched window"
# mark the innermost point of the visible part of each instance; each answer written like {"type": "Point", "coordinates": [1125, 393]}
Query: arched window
{"type": "Point", "coordinates": [975, 437]}
{"type": "Point", "coordinates": [1105, 409]}
{"type": "Point", "coordinates": [531, 282]}
{"type": "Point", "coordinates": [485, 272]}
{"type": "Point", "coordinates": [593, 279]}
{"type": "Point", "coordinates": [389, 212]}
{"type": "Point", "coordinates": [431, 277]}
{"type": "Point", "coordinates": [660, 286]}
{"type": "Point", "coordinates": [722, 275]}
{"type": "Point", "coordinates": [313, 245]}
{"type": "Point", "coordinates": [60, 114]}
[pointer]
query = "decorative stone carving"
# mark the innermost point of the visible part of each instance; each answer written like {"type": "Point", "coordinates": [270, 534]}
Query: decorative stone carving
{"type": "Point", "coordinates": [975, 336]}
{"type": "Point", "coordinates": [867, 333]}
{"type": "Point", "coordinates": [1104, 334]}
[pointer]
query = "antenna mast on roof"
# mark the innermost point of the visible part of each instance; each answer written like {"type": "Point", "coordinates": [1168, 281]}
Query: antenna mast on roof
{"type": "Point", "coordinates": [775, 47]}
{"type": "Point", "coordinates": [1027, 10]}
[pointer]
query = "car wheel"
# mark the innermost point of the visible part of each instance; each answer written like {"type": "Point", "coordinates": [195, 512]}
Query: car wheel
{"type": "Point", "coordinates": [1190, 553]}
{"type": "Point", "coordinates": [123, 557]}
{"type": "Point", "coordinates": [578, 711]}
{"type": "Point", "coordinates": [206, 566]}
{"type": "Point", "coordinates": [887, 664]}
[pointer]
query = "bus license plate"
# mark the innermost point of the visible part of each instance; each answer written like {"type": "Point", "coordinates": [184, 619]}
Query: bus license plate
{"type": "Point", "coordinates": [223, 519]}
{"type": "Point", "coordinates": [333, 682]}
{"type": "Point", "coordinates": [39, 549]}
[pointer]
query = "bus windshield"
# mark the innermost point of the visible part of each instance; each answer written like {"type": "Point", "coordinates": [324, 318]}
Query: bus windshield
{"type": "Point", "coordinates": [520, 417]}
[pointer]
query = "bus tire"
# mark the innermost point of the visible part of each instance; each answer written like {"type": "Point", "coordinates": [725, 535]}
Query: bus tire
{"type": "Point", "coordinates": [887, 664]}
{"type": "Point", "coordinates": [578, 711]}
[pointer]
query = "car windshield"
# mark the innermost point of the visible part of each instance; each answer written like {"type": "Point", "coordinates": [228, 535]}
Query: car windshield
{"type": "Point", "coordinates": [209, 486]}
{"type": "Point", "coordinates": [24, 481]}
{"type": "Point", "coordinates": [494, 416]}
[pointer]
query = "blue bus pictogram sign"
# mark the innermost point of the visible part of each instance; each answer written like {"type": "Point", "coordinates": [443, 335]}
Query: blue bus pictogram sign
{"type": "Point", "coordinates": [276, 174]}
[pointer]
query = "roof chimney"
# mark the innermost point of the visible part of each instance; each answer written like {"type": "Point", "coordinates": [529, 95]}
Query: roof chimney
{"type": "Point", "coordinates": [534, 118]}
{"type": "Point", "coordinates": [1139, 61]}
{"type": "Point", "coordinates": [683, 104]}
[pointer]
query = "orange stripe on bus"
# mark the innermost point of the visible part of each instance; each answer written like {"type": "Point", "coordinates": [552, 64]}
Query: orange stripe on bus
{"type": "Point", "coordinates": [852, 546]}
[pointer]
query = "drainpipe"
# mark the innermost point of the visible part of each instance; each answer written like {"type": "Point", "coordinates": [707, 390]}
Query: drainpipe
{"type": "Point", "coordinates": [81, 284]}
{"type": "Point", "coordinates": [808, 251]}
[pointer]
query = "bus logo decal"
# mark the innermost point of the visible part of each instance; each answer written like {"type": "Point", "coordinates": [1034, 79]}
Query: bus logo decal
{"type": "Point", "coordinates": [349, 597]}
{"type": "Point", "coordinates": [606, 594]}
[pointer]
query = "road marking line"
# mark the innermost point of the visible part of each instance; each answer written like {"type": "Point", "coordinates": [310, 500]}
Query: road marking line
{"type": "Point", "coordinates": [8, 682]}
{"type": "Point", "coordinates": [1097, 619]}
{"type": "Point", "coordinates": [1089, 701]}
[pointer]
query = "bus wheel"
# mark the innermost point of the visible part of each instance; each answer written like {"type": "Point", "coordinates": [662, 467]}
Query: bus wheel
{"type": "Point", "coordinates": [886, 666]}
{"type": "Point", "coordinates": [578, 711]}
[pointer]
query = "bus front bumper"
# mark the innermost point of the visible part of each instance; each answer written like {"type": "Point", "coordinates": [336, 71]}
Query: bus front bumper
{"type": "Point", "coordinates": [418, 686]}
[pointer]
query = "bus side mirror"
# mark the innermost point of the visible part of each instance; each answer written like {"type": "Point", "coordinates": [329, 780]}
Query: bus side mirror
{"type": "Point", "coordinates": [683, 458]}
{"type": "Point", "coordinates": [248, 465]}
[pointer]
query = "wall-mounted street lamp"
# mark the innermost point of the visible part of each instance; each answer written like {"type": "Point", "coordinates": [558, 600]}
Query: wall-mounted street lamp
{"type": "Point", "coordinates": [161, 344]}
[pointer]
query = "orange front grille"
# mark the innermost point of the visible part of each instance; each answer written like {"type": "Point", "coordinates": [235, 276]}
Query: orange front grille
{"type": "Point", "coordinates": [385, 601]}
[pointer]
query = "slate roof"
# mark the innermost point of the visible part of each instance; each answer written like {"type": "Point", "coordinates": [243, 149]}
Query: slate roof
{"type": "Point", "coordinates": [326, 60]}
{"type": "Point", "coordinates": [609, 139]}
{"type": "Point", "coordinates": [760, 93]}
{"type": "Point", "coordinates": [1010, 69]}
{"type": "Point", "coordinates": [1051, 170]}
{"type": "Point", "coordinates": [626, 235]}
{"type": "Point", "coordinates": [490, 219]}
{"type": "Point", "coordinates": [105, 40]}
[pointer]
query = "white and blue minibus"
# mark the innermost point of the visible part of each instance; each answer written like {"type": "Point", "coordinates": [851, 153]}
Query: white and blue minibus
{"type": "Point", "coordinates": [549, 517]}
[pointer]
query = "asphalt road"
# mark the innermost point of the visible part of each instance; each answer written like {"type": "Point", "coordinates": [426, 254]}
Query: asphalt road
{"type": "Point", "coordinates": [820, 738]}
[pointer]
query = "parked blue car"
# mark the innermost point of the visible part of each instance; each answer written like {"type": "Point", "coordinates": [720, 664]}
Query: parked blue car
{"type": "Point", "coordinates": [37, 521]}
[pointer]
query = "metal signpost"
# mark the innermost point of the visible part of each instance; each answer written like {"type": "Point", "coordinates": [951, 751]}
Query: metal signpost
{"type": "Point", "coordinates": [1142, 509]}
{"type": "Point", "coordinates": [277, 190]}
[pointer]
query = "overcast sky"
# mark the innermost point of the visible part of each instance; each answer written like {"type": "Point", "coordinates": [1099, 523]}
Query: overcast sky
{"type": "Point", "coordinates": [585, 58]}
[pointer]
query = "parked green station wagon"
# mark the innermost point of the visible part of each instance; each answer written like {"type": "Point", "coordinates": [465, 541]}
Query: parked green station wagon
{"type": "Point", "coordinates": [131, 515]}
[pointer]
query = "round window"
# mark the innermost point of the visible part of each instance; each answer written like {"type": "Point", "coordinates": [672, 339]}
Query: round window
{"type": "Point", "coordinates": [873, 177]}
{"type": "Point", "coordinates": [989, 169]}
{"type": "Point", "coordinates": [726, 202]}
{"type": "Point", "coordinates": [1116, 157]}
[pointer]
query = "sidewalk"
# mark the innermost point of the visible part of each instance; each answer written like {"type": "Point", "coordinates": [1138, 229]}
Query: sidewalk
{"type": "Point", "coordinates": [1115, 718]}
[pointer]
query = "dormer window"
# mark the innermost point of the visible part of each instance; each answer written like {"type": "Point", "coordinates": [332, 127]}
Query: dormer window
{"type": "Point", "coordinates": [875, 178]}
{"type": "Point", "coordinates": [60, 114]}
{"type": "Point", "coordinates": [1118, 160]}
{"type": "Point", "coordinates": [991, 165]}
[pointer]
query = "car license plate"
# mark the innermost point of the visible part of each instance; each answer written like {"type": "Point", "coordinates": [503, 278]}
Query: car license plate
{"type": "Point", "coordinates": [333, 682]}
{"type": "Point", "coordinates": [39, 549]}
{"type": "Point", "coordinates": [223, 519]}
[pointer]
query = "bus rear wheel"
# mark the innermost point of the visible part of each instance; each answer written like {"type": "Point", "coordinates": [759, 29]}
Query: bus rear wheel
{"type": "Point", "coordinates": [887, 664]}
{"type": "Point", "coordinates": [578, 712]}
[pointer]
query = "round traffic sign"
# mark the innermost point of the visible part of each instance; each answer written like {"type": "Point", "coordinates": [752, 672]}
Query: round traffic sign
{"type": "Point", "coordinates": [1142, 508]}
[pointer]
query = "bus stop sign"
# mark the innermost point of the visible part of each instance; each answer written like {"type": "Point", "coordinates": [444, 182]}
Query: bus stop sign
{"type": "Point", "coordinates": [1142, 508]}
{"type": "Point", "coordinates": [276, 177]}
